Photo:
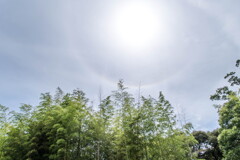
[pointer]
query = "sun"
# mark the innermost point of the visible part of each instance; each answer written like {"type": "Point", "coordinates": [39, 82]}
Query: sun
{"type": "Point", "coordinates": [136, 25]}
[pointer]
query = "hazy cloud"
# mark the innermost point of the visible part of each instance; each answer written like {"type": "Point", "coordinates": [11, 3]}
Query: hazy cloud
{"type": "Point", "coordinates": [47, 44]}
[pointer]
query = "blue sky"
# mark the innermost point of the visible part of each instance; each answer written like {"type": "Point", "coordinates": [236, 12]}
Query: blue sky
{"type": "Point", "coordinates": [46, 44]}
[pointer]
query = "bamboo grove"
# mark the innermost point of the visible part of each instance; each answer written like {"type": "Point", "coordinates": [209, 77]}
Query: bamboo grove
{"type": "Point", "coordinates": [67, 127]}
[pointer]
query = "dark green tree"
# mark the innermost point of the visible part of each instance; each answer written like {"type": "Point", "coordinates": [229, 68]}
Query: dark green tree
{"type": "Point", "coordinates": [207, 146]}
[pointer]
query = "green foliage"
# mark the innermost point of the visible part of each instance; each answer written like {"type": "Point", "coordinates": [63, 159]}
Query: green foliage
{"type": "Point", "coordinates": [208, 146]}
{"type": "Point", "coordinates": [229, 121]}
{"type": "Point", "coordinates": [3, 129]}
{"type": "Point", "coordinates": [229, 116]}
{"type": "Point", "coordinates": [64, 127]}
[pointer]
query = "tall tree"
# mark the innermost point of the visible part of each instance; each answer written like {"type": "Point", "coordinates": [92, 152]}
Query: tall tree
{"type": "Point", "coordinates": [229, 114]}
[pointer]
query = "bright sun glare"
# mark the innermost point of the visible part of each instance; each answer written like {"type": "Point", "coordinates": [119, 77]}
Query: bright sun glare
{"type": "Point", "coordinates": [136, 25]}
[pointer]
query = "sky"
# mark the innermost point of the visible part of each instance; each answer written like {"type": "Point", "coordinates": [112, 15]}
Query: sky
{"type": "Point", "coordinates": [183, 48]}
